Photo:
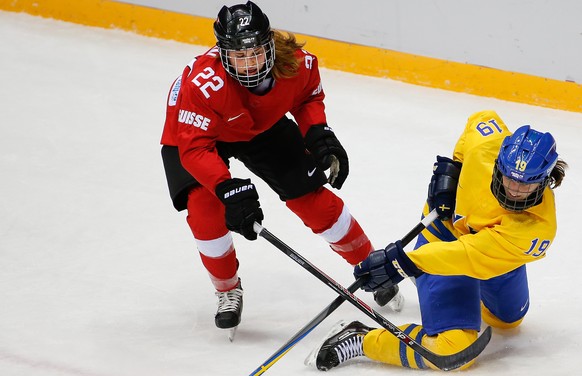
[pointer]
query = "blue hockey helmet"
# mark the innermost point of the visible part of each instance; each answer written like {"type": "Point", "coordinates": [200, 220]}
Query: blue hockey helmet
{"type": "Point", "coordinates": [527, 157]}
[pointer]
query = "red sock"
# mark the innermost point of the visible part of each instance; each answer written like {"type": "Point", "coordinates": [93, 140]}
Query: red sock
{"type": "Point", "coordinates": [326, 215]}
{"type": "Point", "coordinates": [222, 270]}
{"type": "Point", "coordinates": [214, 241]}
{"type": "Point", "coordinates": [355, 246]}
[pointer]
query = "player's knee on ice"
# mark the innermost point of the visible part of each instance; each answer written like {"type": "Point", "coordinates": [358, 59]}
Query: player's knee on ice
{"type": "Point", "coordinates": [492, 320]}
{"type": "Point", "coordinates": [383, 346]}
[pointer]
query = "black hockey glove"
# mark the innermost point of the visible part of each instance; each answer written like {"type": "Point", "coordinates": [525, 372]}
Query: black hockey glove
{"type": "Point", "coordinates": [329, 153]}
{"type": "Point", "coordinates": [442, 190]}
{"type": "Point", "coordinates": [241, 202]}
{"type": "Point", "coordinates": [385, 268]}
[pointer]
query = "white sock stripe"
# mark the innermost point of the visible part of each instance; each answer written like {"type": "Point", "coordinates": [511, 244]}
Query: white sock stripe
{"type": "Point", "coordinates": [216, 247]}
{"type": "Point", "coordinates": [340, 228]}
{"type": "Point", "coordinates": [351, 246]}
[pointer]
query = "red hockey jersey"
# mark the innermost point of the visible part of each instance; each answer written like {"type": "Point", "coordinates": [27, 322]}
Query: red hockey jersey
{"type": "Point", "coordinates": [206, 105]}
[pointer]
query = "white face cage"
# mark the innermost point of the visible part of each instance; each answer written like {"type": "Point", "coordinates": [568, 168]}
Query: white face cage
{"type": "Point", "coordinates": [249, 66]}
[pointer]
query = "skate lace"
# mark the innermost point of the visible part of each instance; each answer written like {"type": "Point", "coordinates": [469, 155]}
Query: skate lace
{"type": "Point", "coordinates": [350, 348]}
{"type": "Point", "coordinates": [229, 300]}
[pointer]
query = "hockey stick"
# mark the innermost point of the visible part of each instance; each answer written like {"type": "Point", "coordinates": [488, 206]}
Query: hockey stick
{"type": "Point", "coordinates": [334, 305]}
{"type": "Point", "coordinates": [443, 362]}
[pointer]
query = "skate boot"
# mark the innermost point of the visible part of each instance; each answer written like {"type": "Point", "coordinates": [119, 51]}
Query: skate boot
{"type": "Point", "coordinates": [230, 305]}
{"type": "Point", "coordinates": [343, 342]}
{"type": "Point", "coordinates": [390, 296]}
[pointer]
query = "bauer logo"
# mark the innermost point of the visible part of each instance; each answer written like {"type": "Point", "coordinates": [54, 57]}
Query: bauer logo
{"type": "Point", "coordinates": [235, 191]}
{"type": "Point", "coordinates": [399, 269]}
{"type": "Point", "coordinates": [197, 120]}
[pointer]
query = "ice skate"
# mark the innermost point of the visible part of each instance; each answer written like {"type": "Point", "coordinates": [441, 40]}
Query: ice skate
{"type": "Point", "coordinates": [230, 304]}
{"type": "Point", "coordinates": [390, 297]}
{"type": "Point", "coordinates": [343, 342]}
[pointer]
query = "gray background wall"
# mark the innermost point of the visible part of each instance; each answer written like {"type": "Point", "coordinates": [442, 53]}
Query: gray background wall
{"type": "Point", "coordinates": [537, 37]}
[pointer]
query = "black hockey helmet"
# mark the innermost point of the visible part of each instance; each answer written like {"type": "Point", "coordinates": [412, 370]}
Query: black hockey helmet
{"type": "Point", "coordinates": [242, 27]}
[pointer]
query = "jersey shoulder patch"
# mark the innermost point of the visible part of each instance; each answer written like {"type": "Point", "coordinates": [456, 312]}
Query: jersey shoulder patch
{"type": "Point", "coordinates": [173, 97]}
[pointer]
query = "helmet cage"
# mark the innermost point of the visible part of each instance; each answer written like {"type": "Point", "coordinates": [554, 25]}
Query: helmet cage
{"type": "Point", "coordinates": [510, 204]}
{"type": "Point", "coordinates": [526, 157]}
{"type": "Point", "coordinates": [238, 67]}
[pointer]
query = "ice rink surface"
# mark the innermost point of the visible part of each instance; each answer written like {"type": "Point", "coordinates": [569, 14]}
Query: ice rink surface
{"type": "Point", "coordinates": [99, 276]}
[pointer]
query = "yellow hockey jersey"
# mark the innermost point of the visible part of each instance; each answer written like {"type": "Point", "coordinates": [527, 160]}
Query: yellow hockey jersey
{"type": "Point", "coordinates": [490, 241]}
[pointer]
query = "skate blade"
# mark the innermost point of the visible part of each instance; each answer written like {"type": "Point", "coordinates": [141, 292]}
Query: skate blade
{"type": "Point", "coordinates": [232, 333]}
{"type": "Point", "coordinates": [312, 357]}
{"type": "Point", "coordinates": [397, 302]}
